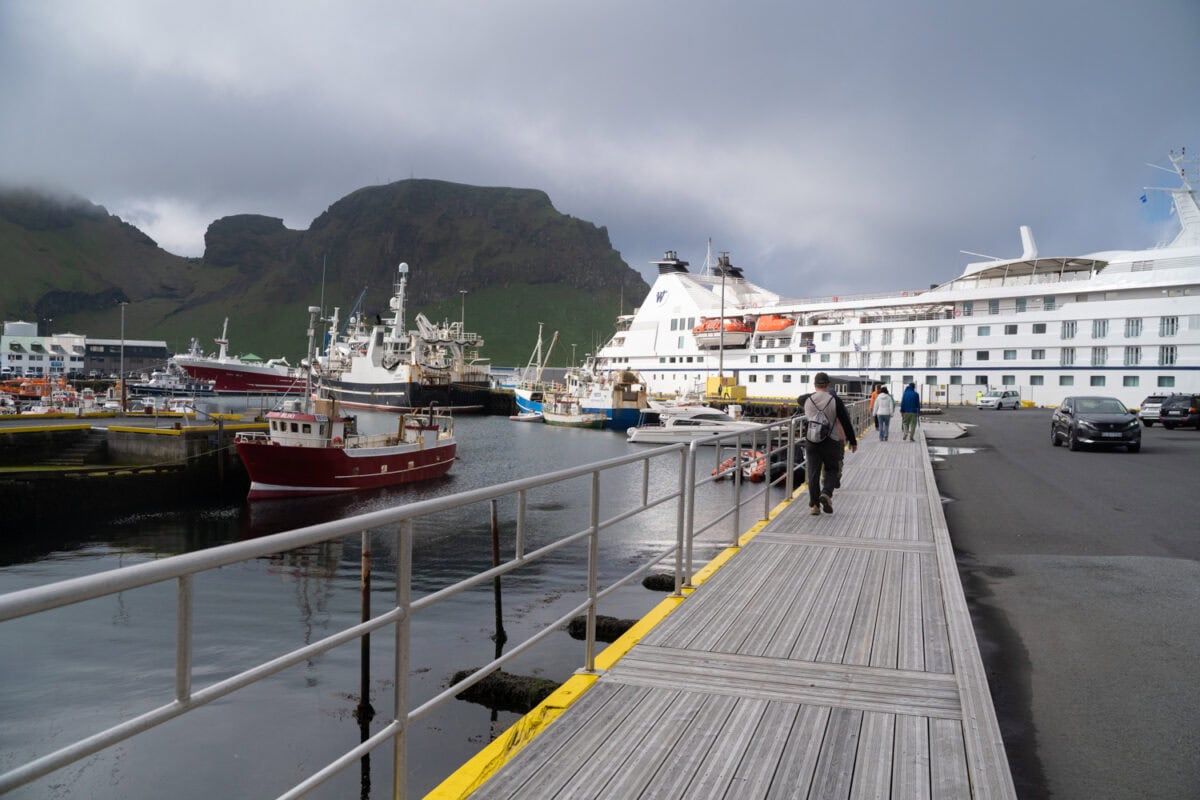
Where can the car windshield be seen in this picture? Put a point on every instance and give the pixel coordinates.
(994, 394)
(1182, 400)
(1100, 405)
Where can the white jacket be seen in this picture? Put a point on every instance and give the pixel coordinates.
(885, 405)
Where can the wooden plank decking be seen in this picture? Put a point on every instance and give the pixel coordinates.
(832, 657)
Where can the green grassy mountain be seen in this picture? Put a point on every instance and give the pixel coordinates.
(518, 259)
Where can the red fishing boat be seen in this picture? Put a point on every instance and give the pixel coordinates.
(317, 449)
(305, 452)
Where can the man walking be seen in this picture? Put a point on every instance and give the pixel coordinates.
(823, 442)
(910, 411)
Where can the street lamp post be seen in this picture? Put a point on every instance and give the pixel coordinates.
(121, 376)
(462, 320)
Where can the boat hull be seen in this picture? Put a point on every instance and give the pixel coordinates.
(231, 379)
(281, 471)
(406, 396)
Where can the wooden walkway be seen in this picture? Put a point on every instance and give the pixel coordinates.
(832, 657)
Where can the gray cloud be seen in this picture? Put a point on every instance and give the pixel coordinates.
(829, 147)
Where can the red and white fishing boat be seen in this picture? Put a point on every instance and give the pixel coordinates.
(239, 374)
(318, 450)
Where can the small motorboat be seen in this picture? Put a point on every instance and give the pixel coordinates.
(533, 416)
(685, 423)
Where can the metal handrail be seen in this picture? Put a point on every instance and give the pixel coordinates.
(183, 568)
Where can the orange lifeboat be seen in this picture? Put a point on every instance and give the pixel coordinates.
(774, 323)
(715, 332)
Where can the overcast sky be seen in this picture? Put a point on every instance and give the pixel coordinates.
(828, 146)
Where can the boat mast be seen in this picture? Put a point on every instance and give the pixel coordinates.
(314, 312)
(723, 261)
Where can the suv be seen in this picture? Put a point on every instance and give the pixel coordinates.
(1100, 421)
(999, 398)
(1149, 410)
(1180, 410)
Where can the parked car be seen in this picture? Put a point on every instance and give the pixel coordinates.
(1099, 421)
(999, 399)
(1150, 409)
(1180, 411)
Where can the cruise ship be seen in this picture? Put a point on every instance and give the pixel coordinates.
(1121, 323)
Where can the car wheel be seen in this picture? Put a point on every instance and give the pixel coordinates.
(1169, 426)
(1054, 438)
(1072, 440)
(1134, 448)
(1147, 423)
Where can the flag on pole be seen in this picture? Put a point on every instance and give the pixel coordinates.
(812, 347)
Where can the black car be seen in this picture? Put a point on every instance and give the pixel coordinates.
(1180, 411)
(1100, 421)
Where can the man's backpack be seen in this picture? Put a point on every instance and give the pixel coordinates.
(817, 427)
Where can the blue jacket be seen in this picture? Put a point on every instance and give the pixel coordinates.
(910, 402)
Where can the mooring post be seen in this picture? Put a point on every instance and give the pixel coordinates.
(364, 712)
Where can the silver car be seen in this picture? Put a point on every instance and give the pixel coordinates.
(1149, 412)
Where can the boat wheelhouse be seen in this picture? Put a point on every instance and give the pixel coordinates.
(1121, 323)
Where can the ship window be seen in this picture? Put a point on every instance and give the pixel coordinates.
(1037, 354)
(787, 359)
(825, 358)
(1039, 327)
(1037, 380)
(826, 337)
(321, 429)
(981, 380)
(306, 428)
(956, 333)
(1066, 380)
(674, 324)
(993, 306)
(770, 379)
(295, 428)
(787, 378)
(1099, 328)
(956, 358)
(1010, 330)
(1133, 356)
(932, 336)
(1097, 380)
(1166, 355)
(1166, 381)
(1010, 355)
(753, 379)
(1168, 326)
(1021, 305)
(805, 358)
(1068, 329)
(1048, 302)
(887, 336)
(968, 308)
(1066, 356)
(689, 359)
(679, 344)
(804, 378)
(1099, 356)
(907, 379)
(982, 355)
(931, 380)
(691, 323)
(983, 330)
(662, 359)
(753, 359)
(956, 380)
(885, 378)
(1008, 380)
(771, 359)
(1133, 327)
(1129, 380)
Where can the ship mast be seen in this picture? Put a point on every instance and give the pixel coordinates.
(314, 312)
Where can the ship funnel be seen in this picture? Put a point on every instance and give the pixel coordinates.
(1028, 245)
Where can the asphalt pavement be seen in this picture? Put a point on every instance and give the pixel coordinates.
(1082, 571)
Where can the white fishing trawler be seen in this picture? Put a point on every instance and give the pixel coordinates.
(1119, 323)
(388, 367)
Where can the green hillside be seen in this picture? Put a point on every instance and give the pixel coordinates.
(518, 259)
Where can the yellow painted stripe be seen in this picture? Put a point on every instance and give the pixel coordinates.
(471, 775)
(45, 428)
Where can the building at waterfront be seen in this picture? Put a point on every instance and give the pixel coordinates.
(73, 355)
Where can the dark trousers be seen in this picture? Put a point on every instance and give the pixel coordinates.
(823, 468)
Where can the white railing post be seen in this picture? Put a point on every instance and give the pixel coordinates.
(403, 631)
(737, 489)
(791, 457)
(690, 526)
(520, 546)
(183, 639)
(681, 520)
(593, 557)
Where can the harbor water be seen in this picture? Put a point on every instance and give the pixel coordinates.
(78, 670)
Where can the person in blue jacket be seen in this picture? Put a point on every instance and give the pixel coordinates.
(910, 411)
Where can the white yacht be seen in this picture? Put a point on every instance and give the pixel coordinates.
(1119, 323)
(668, 425)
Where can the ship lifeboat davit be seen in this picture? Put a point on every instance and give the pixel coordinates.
(774, 323)
(728, 332)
